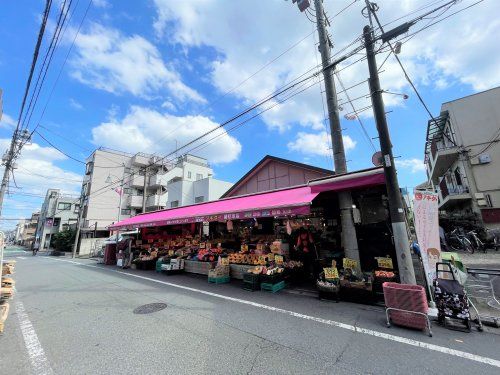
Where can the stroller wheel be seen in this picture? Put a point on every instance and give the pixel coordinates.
(469, 325)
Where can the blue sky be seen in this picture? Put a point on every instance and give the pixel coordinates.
(145, 75)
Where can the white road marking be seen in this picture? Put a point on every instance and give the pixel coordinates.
(369, 332)
(20, 257)
(38, 360)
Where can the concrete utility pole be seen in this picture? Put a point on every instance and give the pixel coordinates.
(78, 225)
(349, 238)
(399, 230)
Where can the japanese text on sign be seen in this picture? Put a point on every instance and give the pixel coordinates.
(384, 262)
(349, 263)
(331, 273)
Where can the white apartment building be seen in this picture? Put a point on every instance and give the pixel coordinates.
(116, 186)
(59, 212)
(462, 157)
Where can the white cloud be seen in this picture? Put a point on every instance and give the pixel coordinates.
(168, 105)
(317, 144)
(7, 122)
(413, 165)
(101, 3)
(75, 104)
(110, 61)
(147, 130)
(246, 37)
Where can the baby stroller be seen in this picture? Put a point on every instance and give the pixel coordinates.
(451, 299)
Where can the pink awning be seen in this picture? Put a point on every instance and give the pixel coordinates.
(295, 201)
(361, 179)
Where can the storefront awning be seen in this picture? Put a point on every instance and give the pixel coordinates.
(365, 178)
(295, 201)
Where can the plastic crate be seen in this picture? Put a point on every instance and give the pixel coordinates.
(251, 286)
(159, 262)
(271, 279)
(251, 278)
(272, 287)
(219, 280)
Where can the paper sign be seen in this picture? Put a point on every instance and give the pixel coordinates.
(224, 261)
(350, 263)
(202, 245)
(244, 248)
(384, 262)
(271, 257)
(331, 273)
(262, 259)
(278, 259)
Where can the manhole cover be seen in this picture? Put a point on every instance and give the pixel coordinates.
(150, 308)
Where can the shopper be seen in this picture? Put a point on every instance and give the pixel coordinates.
(306, 252)
(127, 254)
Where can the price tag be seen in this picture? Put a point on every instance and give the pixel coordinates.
(224, 261)
(262, 259)
(260, 247)
(244, 248)
(350, 263)
(384, 262)
(331, 273)
(202, 245)
(271, 257)
(278, 259)
(170, 252)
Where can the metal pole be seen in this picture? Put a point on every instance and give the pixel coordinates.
(400, 233)
(349, 238)
(78, 224)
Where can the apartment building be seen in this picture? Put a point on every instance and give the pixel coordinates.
(462, 157)
(118, 185)
(59, 212)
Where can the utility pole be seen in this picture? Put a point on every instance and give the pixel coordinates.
(78, 225)
(349, 238)
(144, 196)
(399, 230)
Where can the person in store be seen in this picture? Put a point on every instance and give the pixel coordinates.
(305, 250)
(127, 255)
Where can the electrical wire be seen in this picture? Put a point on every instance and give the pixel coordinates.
(58, 149)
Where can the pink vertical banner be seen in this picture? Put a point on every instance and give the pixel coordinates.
(425, 206)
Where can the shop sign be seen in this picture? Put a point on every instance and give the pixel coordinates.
(331, 273)
(350, 263)
(384, 262)
(427, 229)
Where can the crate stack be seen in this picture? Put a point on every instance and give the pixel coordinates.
(219, 274)
(6, 290)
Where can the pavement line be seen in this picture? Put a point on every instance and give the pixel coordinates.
(38, 360)
(21, 258)
(349, 327)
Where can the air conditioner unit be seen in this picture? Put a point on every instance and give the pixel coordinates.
(482, 203)
(479, 195)
(484, 159)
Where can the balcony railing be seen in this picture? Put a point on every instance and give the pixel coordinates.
(451, 189)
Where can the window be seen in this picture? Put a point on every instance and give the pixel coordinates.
(127, 190)
(62, 206)
(174, 204)
(125, 211)
(189, 174)
(77, 208)
(57, 222)
(199, 176)
(89, 167)
(458, 177)
(199, 199)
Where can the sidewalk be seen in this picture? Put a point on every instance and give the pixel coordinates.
(490, 259)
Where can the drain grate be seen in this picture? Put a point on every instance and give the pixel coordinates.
(150, 308)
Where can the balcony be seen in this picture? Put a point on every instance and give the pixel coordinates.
(157, 200)
(140, 159)
(450, 195)
(441, 157)
(134, 201)
(137, 181)
(163, 179)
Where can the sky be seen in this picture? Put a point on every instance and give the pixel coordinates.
(145, 76)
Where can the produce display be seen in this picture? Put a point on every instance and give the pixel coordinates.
(263, 270)
(385, 274)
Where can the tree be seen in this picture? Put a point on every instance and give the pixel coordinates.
(63, 241)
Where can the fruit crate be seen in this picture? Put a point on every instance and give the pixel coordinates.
(195, 266)
(219, 280)
(272, 287)
(271, 279)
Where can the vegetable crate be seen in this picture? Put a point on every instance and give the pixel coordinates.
(271, 279)
(272, 287)
(251, 281)
(219, 279)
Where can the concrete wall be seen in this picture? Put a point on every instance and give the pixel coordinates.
(89, 244)
(475, 122)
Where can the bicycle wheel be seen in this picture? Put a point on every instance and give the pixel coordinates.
(468, 246)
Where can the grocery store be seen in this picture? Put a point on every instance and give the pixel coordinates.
(286, 237)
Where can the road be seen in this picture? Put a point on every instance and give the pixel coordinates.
(77, 317)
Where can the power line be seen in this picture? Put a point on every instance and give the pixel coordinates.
(58, 149)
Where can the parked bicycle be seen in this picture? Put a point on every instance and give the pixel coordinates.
(456, 240)
(475, 241)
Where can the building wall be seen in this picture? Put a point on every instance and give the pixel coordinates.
(476, 124)
(275, 175)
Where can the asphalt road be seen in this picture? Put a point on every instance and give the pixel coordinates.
(78, 318)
